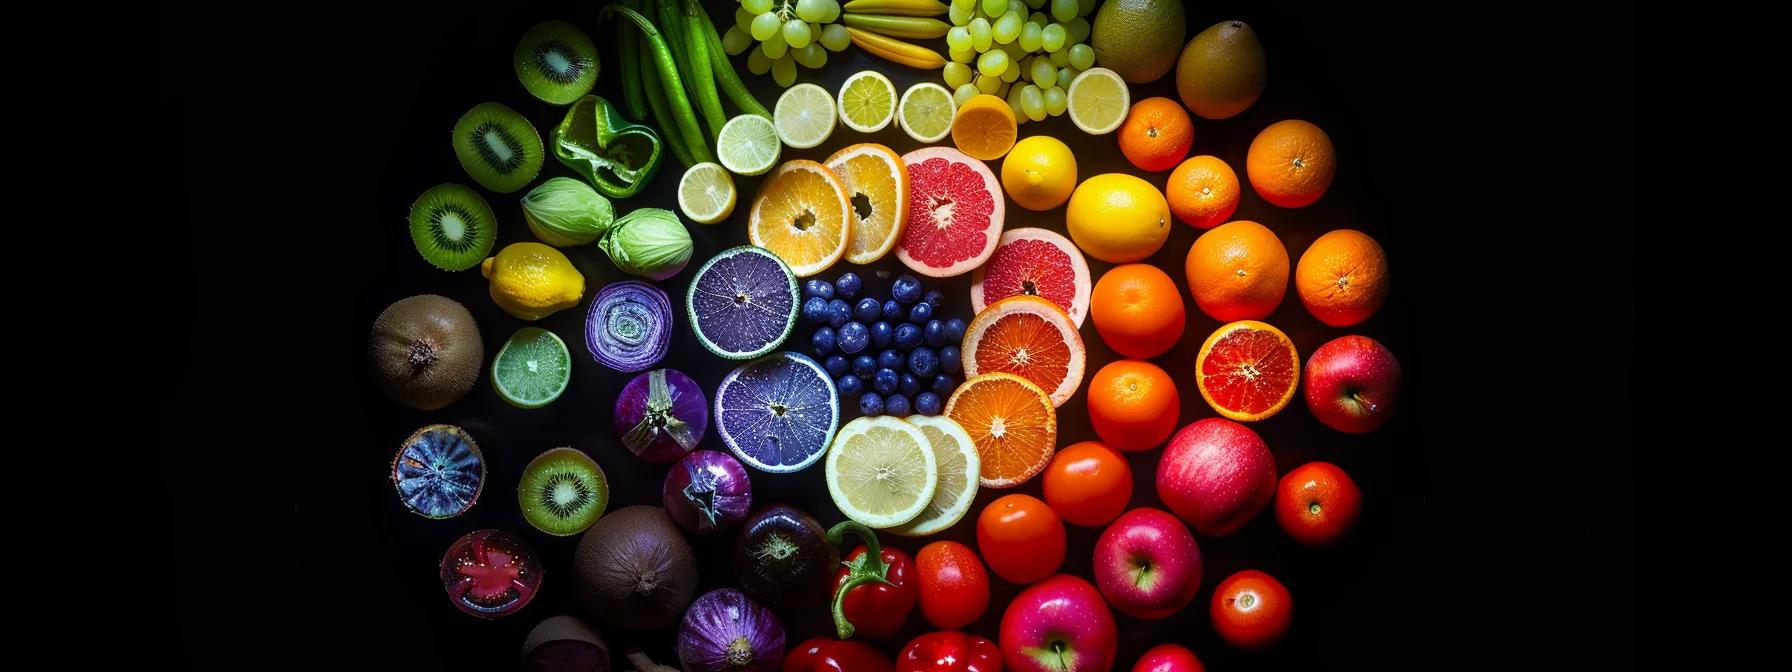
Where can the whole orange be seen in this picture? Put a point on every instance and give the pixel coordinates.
(1157, 134)
(1137, 310)
(1238, 271)
(1203, 192)
(1342, 278)
(1133, 405)
(1291, 163)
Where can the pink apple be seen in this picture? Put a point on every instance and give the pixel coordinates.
(1352, 384)
(1058, 625)
(1168, 658)
(1217, 475)
(1147, 564)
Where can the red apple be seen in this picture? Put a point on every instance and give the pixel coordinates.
(1147, 564)
(1058, 625)
(1352, 384)
(1168, 658)
(1217, 475)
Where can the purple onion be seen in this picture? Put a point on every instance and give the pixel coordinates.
(629, 326)
(661, 415)
(707, 491)
(723, 631)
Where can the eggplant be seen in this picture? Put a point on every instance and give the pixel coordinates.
(782, 557)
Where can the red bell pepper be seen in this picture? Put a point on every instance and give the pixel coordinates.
(875, 591)
(949, 651)
(825, 654)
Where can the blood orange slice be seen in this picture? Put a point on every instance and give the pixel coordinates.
(801, 214)
(1030, 337)
(955, 212)
(1012, 422)
(877, 186)
(1036, 262)
(1247, 370)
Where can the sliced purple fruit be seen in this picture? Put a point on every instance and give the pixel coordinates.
(743, 303)
(629, 325)
(439, 472)
(778, 413)
(490, 573)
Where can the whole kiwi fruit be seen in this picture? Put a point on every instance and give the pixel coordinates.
(635, 570)
(425, 351)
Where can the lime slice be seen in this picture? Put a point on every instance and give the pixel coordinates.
(748, 145)
(959, 469)
(706, 193)
(926, 112)
(805, 116)
(1098, 101)
(867, 102)
(532, 369)
(881, 471)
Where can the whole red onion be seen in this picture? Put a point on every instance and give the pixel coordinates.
(724, 631)
(661, 415)
(707, 491)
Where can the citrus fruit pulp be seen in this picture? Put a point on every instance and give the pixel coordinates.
(1013, 423)
(867, 101)
(804, 116)
(742, 303)
(1098, 101)
(1035, 262)
(706, 193)
(881, 471)
(984, 127)
(1030, 337)
(955, 213)
(925, 112)
(748, 145)
(778, 413)
(959, 468)
(801, 214)
(876, 184)
(532, 369)
(1247, 370)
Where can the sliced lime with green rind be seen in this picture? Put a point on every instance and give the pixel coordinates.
(532, 369)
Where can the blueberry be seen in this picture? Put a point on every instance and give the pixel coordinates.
(923, 362)
(867, 310)
(943, 385)
(928, 403)
(850, 386)
(934, 298)
(934, 334)
(824, 341)
(815, 310)
(896, 404)
(890, 359)
(920, 313)
(848, 285)
(839, 312)
(864, 365)
(837, 365)
(892, 311)
(949, 359)
(853, 337)
(909, 384)
(881, 334)
(819, 288)
(906, 289)
(955, 330)
(871, 404)
(907, 336)
(884, 382)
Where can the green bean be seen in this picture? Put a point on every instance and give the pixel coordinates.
(703, 81)
(726, 78)
(679, 104)
(656, 102)
(629, 52)
(670, 20)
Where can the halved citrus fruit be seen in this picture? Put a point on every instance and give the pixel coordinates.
(801, 215)
(1012, 422)
(955, 213)
(984, 127)
(1030, 337)
(877, 188)
(881, 471)
(1034, 262)
(959, 467)
(1247, 370)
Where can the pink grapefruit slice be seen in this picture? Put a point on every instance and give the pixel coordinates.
(955, 212)
(1034, 262)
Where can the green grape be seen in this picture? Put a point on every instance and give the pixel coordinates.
(1082, 57)
(765, 26)
(811, 57)
(1012, 73)
(960, 17)
(784, 71)
(744, 18)
(1043, 72)
(1013, 97)
(964, 4)
(796, 34)
(1067, 75)
(776, 47)
(981, 34)
(1052, 37)
(736, 40)
(957, 75)
(1064, 10)
(833, 11)
(959, 37)
(1079, 30)
(1060, 58)
(1083, 7)
(988, 84)
(992, 63)
(811, 10)
(1032, 102)
(994, 7)
(1035, 4)
(757, 62)
(1030, 37)
(756, 6)
(1014, 51)
(962, 55)
(835, 38)
(1055, 101)
(963, 94)
(1008, 27)
(1039, 19)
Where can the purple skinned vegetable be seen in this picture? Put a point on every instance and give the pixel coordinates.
(661, 415)
(629, 326)
(724, 631)
(707, 491)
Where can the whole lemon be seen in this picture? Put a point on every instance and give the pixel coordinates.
(1118, 218)
(533, 281)
(1039, 173)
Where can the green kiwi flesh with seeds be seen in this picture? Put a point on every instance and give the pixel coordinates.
(499, 148)
(563, 492)
(556, 62)
(453, 227)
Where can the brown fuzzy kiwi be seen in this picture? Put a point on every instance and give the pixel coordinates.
(635, 570)
(425, 351)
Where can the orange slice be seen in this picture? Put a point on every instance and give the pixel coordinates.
(1012, 422)
(1031, 337)
(877, 185)
(984, 127)
(1247, 370)
(801, 215)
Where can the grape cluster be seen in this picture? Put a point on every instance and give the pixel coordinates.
(995, 44)
(789, 33)
(894, 356)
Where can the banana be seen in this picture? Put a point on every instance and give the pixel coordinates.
(896, 7)
(911, 27)
(894, 50)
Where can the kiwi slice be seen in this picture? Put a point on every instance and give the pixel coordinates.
(556, 62)
(563, 492)
(499, 148)
(453, 227)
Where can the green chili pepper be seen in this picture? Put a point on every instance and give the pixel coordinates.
(629, 50)
(618, 157)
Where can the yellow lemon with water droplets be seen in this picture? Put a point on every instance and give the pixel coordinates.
(1039, 173)
(533, 281)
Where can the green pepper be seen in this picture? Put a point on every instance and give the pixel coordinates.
(617, 156)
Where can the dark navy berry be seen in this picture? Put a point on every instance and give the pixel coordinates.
(943, 385)
(871, 404)
(890, 359)
(896, 404)
(933, 297)
(839, 312)
(909, 384)
(955, 330)
(949, 359)
(850, 386)
(848, 285)
(928, 403)
(885, 381)
(837, 365)
(892, 311)
(923, 362)
(819, 288)
(824, 341)
(920, 313)
(882, 334)
(907, 336)
(815, 310)
(934, 334)
(853, 338)
(906, 289)
(867, 310)
(864, 365)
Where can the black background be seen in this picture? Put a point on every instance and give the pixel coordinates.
(1499, 513)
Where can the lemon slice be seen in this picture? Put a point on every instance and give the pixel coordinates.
(706, 193)
(959, 470)
(748, 145)
(867, 102)
(1098, 101)
(881, 471)
(804, 116)
(925, 112)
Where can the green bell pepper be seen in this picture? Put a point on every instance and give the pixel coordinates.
(618, 157)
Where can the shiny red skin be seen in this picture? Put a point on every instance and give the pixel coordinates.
(877, 610)
(1322, 486)
(1352, 384)
(1168, 658)
(1158, 543)
(954, 588)
(1060, 624)
(1255, 623)
(1216, 475)
(949, 651)
(1088, 484)
(826, 654)
(1021, 538)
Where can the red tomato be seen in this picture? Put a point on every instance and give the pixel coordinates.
(1252, 610)
(1088, 484)
(1317, 504)
(1168, 658)
(954, 587)
(1021, 538)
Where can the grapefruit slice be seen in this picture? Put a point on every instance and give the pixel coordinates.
(801, 214)
(1247, 370)
(1030, 337)
(955, 212)
(877, 187)
(1036, 262)
(1013, 424)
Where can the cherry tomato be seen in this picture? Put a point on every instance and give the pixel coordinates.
(1317, 504)
(1021, 538)
(1252, 610)
(954, 587)
(1168, 658)
(1088, 484)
